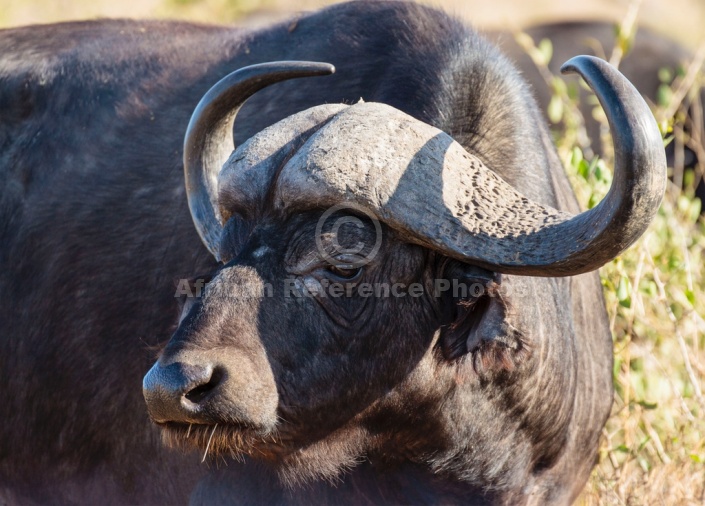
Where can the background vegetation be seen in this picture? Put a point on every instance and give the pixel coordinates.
(653, 449)
(681, 19)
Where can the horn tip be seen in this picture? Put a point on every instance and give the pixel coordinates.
(309, 68)
(327, 68)
(576, 63)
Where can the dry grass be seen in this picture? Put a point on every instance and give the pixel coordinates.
(653, 450)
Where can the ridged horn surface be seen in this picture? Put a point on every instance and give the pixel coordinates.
(422, 183)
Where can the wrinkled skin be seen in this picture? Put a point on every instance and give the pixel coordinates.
(318, 343)
(95, 231)
(351, 379)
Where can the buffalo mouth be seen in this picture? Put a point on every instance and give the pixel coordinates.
(232, 439)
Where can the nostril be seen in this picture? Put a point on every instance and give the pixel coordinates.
(178, 391)
(200, 391)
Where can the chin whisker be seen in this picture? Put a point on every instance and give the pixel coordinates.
(205, 454)
(211, 440)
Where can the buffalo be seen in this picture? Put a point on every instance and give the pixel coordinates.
(442, 176)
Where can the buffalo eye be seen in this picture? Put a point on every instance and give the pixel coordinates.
(345, 272)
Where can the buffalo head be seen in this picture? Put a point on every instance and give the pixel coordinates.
(283, 352)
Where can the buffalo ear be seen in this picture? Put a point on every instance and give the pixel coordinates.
(480, 322)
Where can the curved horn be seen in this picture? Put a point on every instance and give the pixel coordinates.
(427, 187)
(209, 140)
(639, 181)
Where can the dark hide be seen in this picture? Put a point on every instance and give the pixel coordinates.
(95, 231)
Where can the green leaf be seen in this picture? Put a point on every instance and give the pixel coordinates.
(694, 211)
(683, 203)
(616, 368)
(650, 289)
(593, 164)
(602, 174)
(690, 296)
(664, 95)
(648, 405)
(665, 75)
(593, 200)
(598, 171)
(688, 178)
(576, 156)
(559, 86)
(674, 264)
(545, 47)
(624, 291)
(624, 40)
(643, 443)
(555, 109)
(584, 169)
